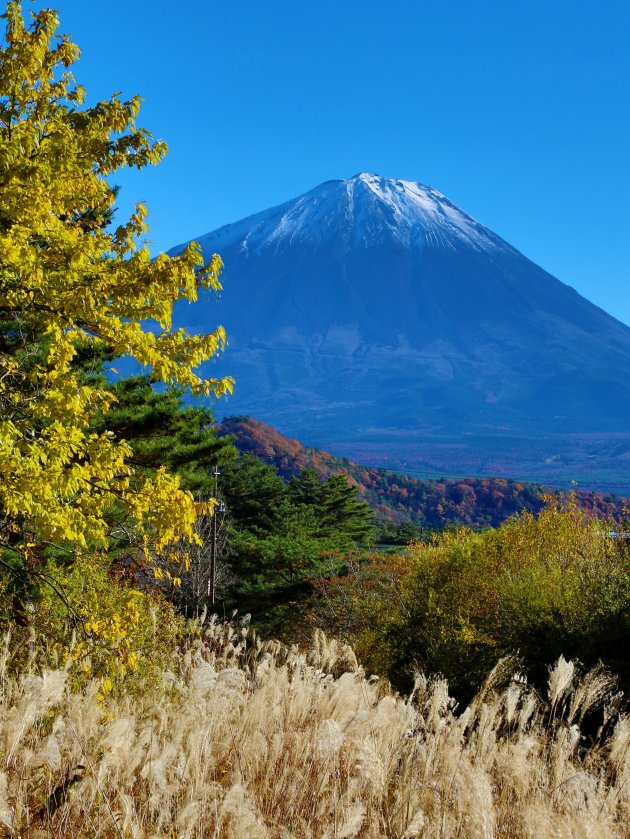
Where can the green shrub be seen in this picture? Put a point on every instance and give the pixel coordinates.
(95, 625)
(538, 586)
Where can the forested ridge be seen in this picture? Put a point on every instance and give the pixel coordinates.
(399, 498)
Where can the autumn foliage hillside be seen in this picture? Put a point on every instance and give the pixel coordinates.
(474, 502)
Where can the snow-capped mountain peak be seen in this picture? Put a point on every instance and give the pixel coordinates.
(364, 211)
(375, 309)
(419, 209)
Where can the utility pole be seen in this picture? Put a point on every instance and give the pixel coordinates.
(213, 542)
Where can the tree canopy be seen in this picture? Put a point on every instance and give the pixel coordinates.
(70, 283)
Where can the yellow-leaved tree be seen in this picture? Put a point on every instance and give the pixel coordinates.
(69, 282)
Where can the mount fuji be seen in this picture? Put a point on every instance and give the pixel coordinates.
(375, 318)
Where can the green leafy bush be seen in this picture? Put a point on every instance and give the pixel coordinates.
(538, 586)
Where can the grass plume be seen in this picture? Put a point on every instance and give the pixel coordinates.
(253, 739)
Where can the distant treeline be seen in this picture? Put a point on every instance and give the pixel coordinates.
(472, 502)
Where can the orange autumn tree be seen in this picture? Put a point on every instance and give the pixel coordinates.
(69, 283)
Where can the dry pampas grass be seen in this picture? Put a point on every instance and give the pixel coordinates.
(252, 739)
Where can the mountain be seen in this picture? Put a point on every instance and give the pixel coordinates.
(474, 502)
(376, 318)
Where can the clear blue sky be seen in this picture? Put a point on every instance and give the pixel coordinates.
(517, 111)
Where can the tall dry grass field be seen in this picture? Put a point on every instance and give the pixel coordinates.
(251, 739)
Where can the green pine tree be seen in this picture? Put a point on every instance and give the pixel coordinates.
(162, 431)
(344, 516)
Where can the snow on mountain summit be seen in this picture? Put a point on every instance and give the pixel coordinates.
(363, 211)
(418, 208)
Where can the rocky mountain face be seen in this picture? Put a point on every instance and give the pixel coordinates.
(377, 319)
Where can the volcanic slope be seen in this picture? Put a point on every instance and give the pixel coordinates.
(376, 318)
